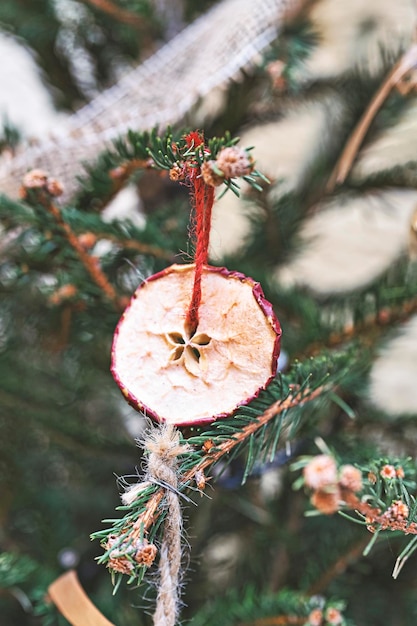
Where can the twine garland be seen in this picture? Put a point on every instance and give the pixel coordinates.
(163, 444)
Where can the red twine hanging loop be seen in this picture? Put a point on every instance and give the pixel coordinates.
(203, 198)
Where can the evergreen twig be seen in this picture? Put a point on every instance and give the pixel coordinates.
(338, 567)
(132, 528)
(369, 329)
(159, 151)
(86, 259)
(90, 263)
(375, 520)
(277, 408)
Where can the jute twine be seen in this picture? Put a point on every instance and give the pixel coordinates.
(163, 445)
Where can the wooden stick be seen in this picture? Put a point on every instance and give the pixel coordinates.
(73, 603)
(343, 166)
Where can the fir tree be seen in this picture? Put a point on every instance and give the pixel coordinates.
(299, 503)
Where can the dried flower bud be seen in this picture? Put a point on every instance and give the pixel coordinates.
(315, 618)
(207, 446)
(327, 502)
(275, 70)
(388, 472)
(176, 172)
(121, 564)
(35, 179)
(372, 478)
(320, 472)
(87, 240)
(333, 616)
(398, 511)
(120, 548)
(400, 472)
(210, 177)
(146, 554)
(63, 293)
(350, 478)
(200, 480)
(384, 316)
(54, 187)
(114, 542)
(234, 161)
(121, 553)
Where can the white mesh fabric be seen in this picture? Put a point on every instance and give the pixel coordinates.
(207, 54)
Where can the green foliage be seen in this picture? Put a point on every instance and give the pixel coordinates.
(260, 447)
(153, 150)
(249, 606)
(14, 569)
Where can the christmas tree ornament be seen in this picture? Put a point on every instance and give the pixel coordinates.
(183, 376)
(197, 341)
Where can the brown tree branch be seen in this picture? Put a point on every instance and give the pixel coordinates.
(338, 567)
(343, 166)
(148, 517)
(374, 517)
(90, 263)
(368, 330)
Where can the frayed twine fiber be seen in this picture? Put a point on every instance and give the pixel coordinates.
(163, 445)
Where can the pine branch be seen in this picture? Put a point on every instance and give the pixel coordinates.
(161, 151)
(41, 189)
(379, 495)
(369, 330)
(15, 569)
(338, 567)
(257, 608)
(139, 246)
(86, 259)
(254, 607)
(363, 316)
(213, 453)
(245, 431)
(148, 240)
(376, 520)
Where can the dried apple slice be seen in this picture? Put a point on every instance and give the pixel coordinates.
(188, 379)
